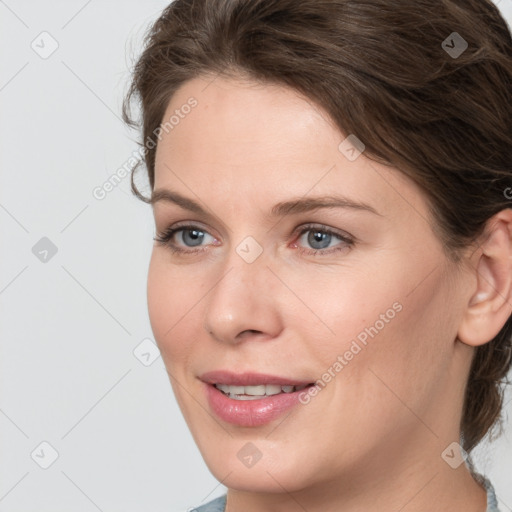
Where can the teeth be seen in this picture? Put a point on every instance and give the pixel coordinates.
(270, 389)
(252, 390)
(223, 387)
(255, 392)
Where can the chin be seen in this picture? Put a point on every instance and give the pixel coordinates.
(268, 474)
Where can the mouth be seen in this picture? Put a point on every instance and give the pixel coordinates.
(251, 399)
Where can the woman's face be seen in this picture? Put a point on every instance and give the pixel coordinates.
(357, 296)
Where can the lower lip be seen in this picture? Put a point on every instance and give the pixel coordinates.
(250, 413)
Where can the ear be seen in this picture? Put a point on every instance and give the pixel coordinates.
(490, 303)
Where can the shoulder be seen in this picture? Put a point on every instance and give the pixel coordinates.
(492, 501)
(216, 505)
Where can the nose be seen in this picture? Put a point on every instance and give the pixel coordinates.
(244, 301)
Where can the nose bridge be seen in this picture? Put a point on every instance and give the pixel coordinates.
(239, 300)
(245, 264)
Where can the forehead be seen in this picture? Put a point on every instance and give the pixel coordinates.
(244, 119)
(267, 142)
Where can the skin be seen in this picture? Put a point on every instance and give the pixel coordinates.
(376, 432)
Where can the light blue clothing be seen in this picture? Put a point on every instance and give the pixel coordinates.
(492, 502)
(219, 504)
(216, 505)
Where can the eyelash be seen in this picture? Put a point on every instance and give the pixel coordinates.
(165, 237)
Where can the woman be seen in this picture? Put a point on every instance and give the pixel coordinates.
(331, 283)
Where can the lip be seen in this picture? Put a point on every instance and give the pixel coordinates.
(249, 379)
(249, 413)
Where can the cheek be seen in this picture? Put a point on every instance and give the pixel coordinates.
(170, 297)
(343, 305)
(395, 349)
(380, 318)
(409, 337)
(158, 298)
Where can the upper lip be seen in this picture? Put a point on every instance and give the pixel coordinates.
(248, 379)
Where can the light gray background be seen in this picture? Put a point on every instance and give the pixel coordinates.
(70, 325)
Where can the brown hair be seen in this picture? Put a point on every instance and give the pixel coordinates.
(387, 71)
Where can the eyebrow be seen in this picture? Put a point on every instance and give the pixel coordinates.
(291, 207)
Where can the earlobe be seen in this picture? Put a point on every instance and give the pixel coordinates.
(490, 303)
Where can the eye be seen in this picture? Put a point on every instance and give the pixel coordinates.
(320, 238)
(190, 235)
